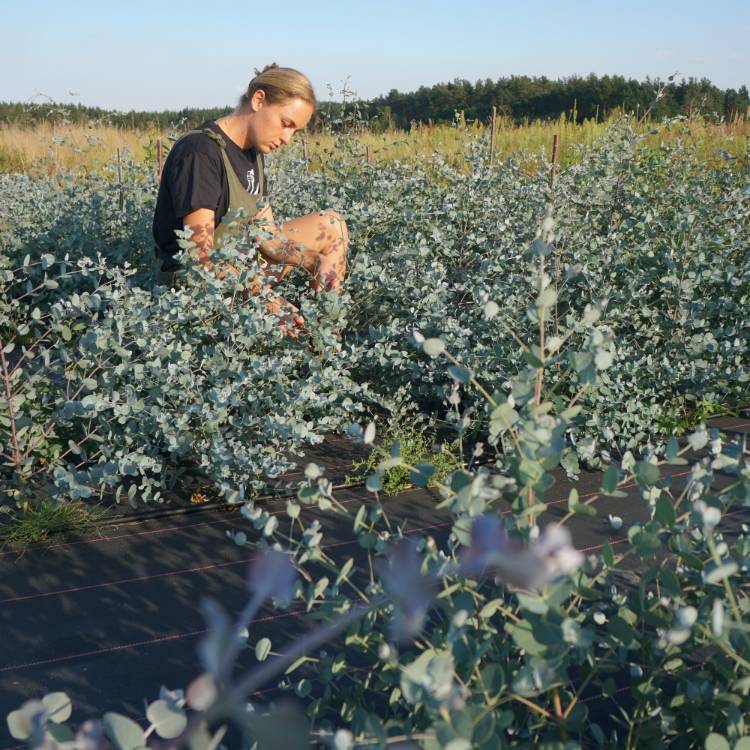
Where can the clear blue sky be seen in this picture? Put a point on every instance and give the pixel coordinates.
(167, 55)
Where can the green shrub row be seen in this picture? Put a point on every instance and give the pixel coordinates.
(110, 384)
(506, 635)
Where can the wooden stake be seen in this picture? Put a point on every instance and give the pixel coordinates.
(304, 151)
(159, 157)
(555, 154)
(119, 179)
(492, 134)
(367, 151)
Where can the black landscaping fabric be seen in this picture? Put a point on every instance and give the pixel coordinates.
(110, 619)
(335, 454)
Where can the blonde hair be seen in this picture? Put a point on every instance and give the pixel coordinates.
(280, 85)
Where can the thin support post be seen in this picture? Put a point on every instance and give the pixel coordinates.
(159, 157)
(367, 151)
(492, 134)
(119, 180)
(555, 156)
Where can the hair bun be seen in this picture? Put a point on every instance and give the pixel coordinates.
(279, 85)
(268, 67)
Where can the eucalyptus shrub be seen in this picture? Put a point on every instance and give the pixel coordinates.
(501, 636)
(653, 235)
(650, 240)
(119, 383)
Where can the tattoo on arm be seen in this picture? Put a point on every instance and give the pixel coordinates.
(203, 237)
(286, 252)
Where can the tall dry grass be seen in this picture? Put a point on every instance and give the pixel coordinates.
(49, 149)
(531, 141)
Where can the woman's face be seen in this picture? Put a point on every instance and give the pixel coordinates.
(273, 125)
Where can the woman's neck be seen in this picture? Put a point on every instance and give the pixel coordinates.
(235, 126)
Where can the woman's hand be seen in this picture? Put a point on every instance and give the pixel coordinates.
(325, 276)
(290, 319)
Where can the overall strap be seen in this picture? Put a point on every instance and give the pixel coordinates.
(239, 198)
(205, 131)
(216, 138)
(236, 188)
(261, 172)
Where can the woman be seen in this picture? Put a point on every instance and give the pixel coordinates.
(220, 168)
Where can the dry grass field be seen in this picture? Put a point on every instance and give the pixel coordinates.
(49, 149)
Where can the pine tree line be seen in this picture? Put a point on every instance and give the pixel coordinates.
(517, 97)
(527, 98)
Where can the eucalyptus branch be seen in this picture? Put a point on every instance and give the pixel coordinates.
(726, 648)
(541, 311)
(17, 457)
(53, 423)
(601, 660)
(33, 291)
(235, 644)
(256, 678)
(725, 580)
(473, 380)
(28, 351)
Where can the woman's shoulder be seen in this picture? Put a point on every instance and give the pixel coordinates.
(197, 141)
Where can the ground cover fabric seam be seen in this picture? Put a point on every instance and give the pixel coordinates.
(135, 579)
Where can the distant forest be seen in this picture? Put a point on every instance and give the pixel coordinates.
(517, 97)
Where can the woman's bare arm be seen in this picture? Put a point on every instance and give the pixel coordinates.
(281, 250)
(201, 223)
(275, 250)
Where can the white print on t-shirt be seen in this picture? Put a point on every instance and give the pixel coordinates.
(251, 181)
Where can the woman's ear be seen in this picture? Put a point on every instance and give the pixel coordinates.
(258, 100)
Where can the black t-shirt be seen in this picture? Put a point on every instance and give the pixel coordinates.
(194, 177)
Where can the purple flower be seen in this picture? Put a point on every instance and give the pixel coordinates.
(489, 541)
(411, 592)
(272, 574)
(492, 550)
(553, 555)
